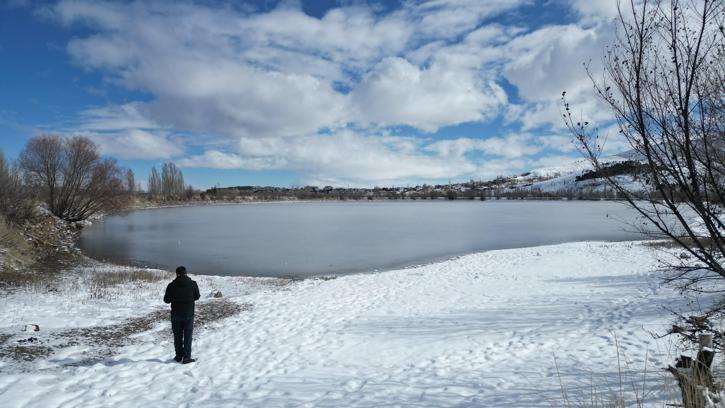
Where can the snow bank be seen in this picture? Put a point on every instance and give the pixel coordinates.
(479, 330)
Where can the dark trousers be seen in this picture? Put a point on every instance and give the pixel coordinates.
(182, 328)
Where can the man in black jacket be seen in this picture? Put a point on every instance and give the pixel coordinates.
(182, 292)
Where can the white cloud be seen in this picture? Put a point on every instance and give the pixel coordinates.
(350, 158)
(595, 9)
(561, 143)
(341, 158)
(397, 92)
(220, 160)
(276, 73)
(124, 131)
(450, 18)
(281, 89)
(116, 117)
(512, 146)
(136, 144)
(551, 60)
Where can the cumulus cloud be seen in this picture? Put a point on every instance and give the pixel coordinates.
(342, 158)
(397, 92)
(284, 73)
(549, 61)
(284, 90)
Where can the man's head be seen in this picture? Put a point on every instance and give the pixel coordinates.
(181, 270)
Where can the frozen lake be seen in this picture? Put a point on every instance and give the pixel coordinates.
(325, 238)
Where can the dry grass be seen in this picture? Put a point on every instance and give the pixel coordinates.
(101, 284)
(631, 387)
(110, 279)
(11, 278)
(671, 244)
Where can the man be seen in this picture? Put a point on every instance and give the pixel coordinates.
(182, 292)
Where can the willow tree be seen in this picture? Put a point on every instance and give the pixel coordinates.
(72, 177)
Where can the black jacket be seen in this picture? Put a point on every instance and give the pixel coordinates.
(181, 293)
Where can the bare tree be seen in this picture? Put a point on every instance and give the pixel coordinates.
(130, 181)
(663, 81)
(172, 181)
(74, 180)
(154, 186)
(15, 199)
(189, 192)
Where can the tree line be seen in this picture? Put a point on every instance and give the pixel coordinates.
(169, 185)
(74, 181)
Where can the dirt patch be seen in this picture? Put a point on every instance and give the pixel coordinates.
(111, 336)
(215, 310)
(103, 341)
(25, 353)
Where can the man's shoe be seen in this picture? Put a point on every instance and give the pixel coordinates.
(178, 359)
(187, 360)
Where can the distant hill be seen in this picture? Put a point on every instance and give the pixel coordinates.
(579, 176)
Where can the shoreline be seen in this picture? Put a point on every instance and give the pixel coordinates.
(377, 200)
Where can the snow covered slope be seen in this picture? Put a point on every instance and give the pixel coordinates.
(479, 330)
(562, 178)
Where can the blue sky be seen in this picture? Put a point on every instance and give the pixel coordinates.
(350, 93)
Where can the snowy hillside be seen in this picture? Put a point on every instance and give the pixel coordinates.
(563, 178)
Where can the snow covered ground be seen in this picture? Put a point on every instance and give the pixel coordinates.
(487, 329)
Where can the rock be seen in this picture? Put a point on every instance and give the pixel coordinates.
(216, 293)
(32, 328)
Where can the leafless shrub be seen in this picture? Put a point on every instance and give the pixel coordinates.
(664, 85)
(664, 82)
(74, 180)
